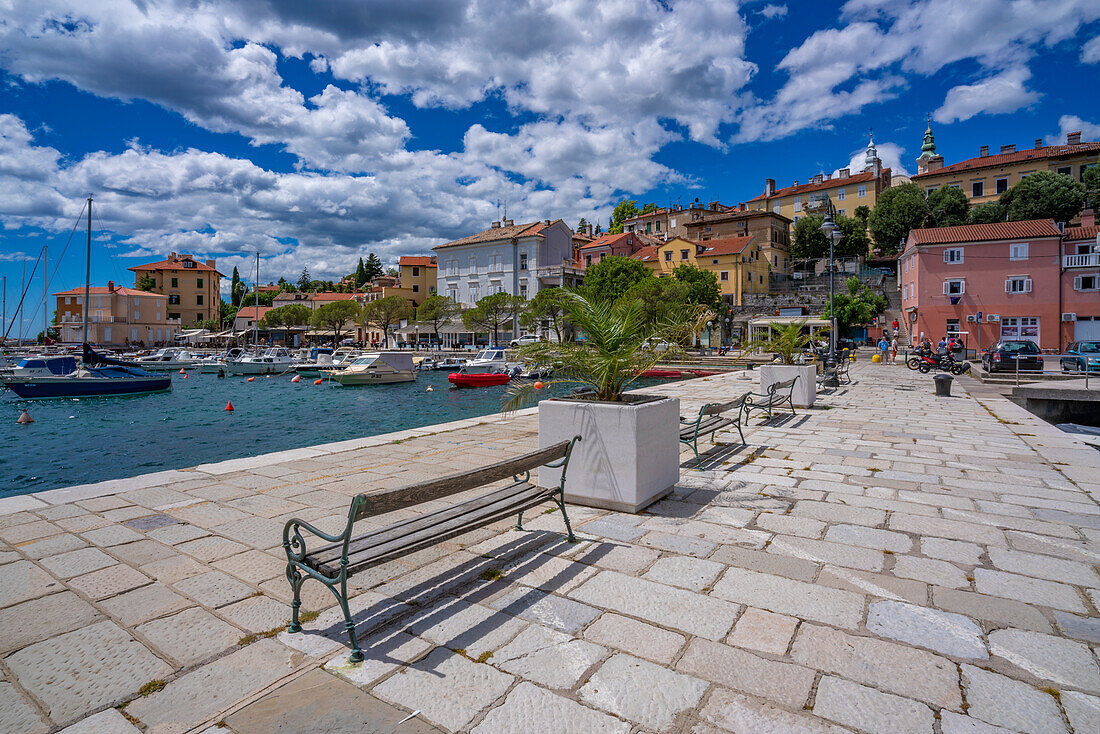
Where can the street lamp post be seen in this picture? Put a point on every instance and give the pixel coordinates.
(834, 234)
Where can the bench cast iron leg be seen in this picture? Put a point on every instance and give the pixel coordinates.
(295, 577)
(519, 522)
(561, 506)
(342, 596)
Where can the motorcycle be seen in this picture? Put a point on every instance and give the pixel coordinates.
(945, 362)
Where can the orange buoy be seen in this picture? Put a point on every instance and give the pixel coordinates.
(185, 375)
(296, 378)
(183, 371)
(318, 381)
(24, 417)
(229, 405)
(539, 386)
(251, 379)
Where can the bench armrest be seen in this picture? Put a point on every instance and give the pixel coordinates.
(295, 544)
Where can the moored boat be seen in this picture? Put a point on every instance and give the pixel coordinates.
(379, 368)
(168, 359)
(273, 361)
(478, 379)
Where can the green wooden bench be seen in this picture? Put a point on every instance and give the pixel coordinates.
(712, 418)
(777, 394)
(344, 554)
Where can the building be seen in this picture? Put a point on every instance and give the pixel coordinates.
(118, 316)
(520, 259)
(1006, 280)
(418, 275)
(314, 301)
(985, 177)
(665, 223)
(771, 231)
(621, 245)
(737, 262)
(250, 316)
(193, 287)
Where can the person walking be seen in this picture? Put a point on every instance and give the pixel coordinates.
(896, 326)
(883, 349)
(894, 349)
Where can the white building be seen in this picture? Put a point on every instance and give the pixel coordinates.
(520, 259)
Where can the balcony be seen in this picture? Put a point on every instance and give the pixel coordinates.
(1090, 260)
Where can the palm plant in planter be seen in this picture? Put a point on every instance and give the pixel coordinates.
(787, 341)
(628, 456)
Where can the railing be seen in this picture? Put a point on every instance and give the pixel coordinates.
(1088, 260)
(1090, 363)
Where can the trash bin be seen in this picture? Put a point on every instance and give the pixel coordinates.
(943, 385)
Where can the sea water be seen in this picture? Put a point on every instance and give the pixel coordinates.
(84, 440)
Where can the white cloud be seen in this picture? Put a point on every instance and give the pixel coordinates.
(1005, 92)
(773, 11)
(889, 153)
(1072, 123)
(1090, 52)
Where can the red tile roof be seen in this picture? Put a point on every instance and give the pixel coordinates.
(427, 261)
(497, 233)
(249, 312)
(725, 245)
(330, 296)
(175, 263)
(1019, 156)
(646, 254)
(607, 240)
(103, 290)
(1030, 229)
(826, 184)
(1082, 233)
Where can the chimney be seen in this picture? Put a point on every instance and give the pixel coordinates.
(1038, 143)
(546, 222)
(769, 187)
(110, 285)
(509, 222)
(795, 183)
(1010, 148)
(171, 256)
(1073, 138)
(985, 151)
(741, 206)
(1088, 218)
(713, 206)
(844, 173)
(211, 262)
(496, 225)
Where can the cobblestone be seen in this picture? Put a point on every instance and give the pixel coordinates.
(190, 637)
(1047, 657)
(637, 638)
(944, 632)
(615, 686)
(43, 618)
(870, 710)
(1002, 701)
(531, 710)
(784, 683)
(777, 594)
(551, 658)
(763, 631)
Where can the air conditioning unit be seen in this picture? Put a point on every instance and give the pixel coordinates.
(971, 318)
(1069, 317)
(993, 317)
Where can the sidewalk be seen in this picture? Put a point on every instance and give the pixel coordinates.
(887, 562)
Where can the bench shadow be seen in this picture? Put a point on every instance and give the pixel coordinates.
(715, 457)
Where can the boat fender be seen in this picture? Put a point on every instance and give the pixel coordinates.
(229, 405)
(183, 371)
(24, 417)
(318, 381)
(539, 386)
(221, 373)
(251, 379)
(430, 388)
(185, 375)
(296, 378)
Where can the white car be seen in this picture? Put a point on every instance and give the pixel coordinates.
(523, 339)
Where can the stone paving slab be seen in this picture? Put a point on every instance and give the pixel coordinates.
(852, 569)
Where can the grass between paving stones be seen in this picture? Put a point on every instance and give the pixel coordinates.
(1054, 692)
(479, 659)
(152, 687)
(249, 639)
(122, 710)
(491, 574)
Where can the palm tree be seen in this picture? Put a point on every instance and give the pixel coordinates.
(785, 340)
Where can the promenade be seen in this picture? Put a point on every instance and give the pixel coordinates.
(886, 562)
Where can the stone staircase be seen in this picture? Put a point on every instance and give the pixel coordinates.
(893, 310)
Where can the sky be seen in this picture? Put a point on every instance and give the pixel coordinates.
(315, 133)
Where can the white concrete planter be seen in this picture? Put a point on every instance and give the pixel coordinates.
(805, 390)
(628, 456)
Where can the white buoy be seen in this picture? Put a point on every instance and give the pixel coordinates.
(430, 388)
(296, 378)
(25, 417)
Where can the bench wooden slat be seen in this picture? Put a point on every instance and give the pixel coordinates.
(402, 497)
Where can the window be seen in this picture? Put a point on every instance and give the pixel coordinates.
(657, 225)
(452, 293)
(473, 266)
(748, 276)
(475, 294)
(1023, 327)
(649, 227)
(416, 288)
(523, 291)
(952, 326)
(977, 188)
(775, 207)
(176, 316)
(714, 261)
(928, 191)
(588, 259)
(724, 275)
(1086, 282)
(452, 267)
(175, 282)
(523, 261)
(683, 254)
(840, 194)
(953, 255)
(198, 282)
(956, 186)
(775, 261)
(672, 224)
(198, 300)
(1066, 170)
(174, 300)
(761, 280)
(1018, 284)
(798, 203)
(1017, 251)
(954, 287)
(1002, 185)
(862, 191)
(496, 264)
(416, 271)
(668, 256)
(706, 229)
(188, 263)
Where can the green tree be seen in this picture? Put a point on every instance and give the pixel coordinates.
(228, 312)
(293, 314)
(236, 288)
(947, 207)
(703, 288)
(862, 213)
(267, 298)
(547, 306)
(650, 207)
(385, 314)
(360, 273)
(858, 306)
(613, 276)
(810, 242)
(1044, 195)
(437, 310)
(987, 213)
(145, 282)
(334, 316)
(304, 281)
(372, 268)
(285, 286)
(625, 209)
(659, 298)
(582, 225)
(1091, 181)
(898, 210)
(493, 312)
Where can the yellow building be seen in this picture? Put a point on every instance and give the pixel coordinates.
(192, 287)
(739, 263)
(986, 177)
(117, 317)
(418, 276)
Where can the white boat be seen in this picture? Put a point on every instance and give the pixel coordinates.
(487, 362)
(344, 356)
(213, 364)
(168, 359)
(376, 369)
(273, 361)
(451, 364)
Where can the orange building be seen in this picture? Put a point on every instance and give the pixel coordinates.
(118, 316)
(192, 287)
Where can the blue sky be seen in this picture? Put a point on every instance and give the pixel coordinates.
(316, 137)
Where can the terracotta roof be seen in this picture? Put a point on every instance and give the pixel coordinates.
(175, 263)
(331, 296)
(735, 215)
(497, 233)
(1019, 156)
(1082, 233)
(607, 240)
(984, 232)
(103, 290)
(427, 261)
(725, 245)
(826, 184)
(646, 254)
(249, 312)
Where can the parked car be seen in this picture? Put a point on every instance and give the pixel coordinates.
(1003, 356)
(1086, 355)
(523, 339)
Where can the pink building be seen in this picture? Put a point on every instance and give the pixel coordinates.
(624, 245)
(1026, 280)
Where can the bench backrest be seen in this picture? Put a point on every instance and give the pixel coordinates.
(718, 408)
(777, 386)
(368, 505)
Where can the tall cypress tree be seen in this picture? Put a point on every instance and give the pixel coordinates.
(235, 288)
(373, 267)
(360, 273)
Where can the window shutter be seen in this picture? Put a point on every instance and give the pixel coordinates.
(945, 287)
(945, 253)
(1027, 285)
(1077, 282)
(1008, 285)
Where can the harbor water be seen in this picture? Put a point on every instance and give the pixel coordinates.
(84, 440)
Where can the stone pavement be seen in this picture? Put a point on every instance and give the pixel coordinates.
(887, 562)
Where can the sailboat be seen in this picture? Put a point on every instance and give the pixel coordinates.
(59, 377)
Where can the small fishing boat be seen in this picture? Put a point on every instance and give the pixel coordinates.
(450, 363)
(661, 373)
(273, 361)
(487, 360)
(216, 363)
(378, 368)
(479, 379)
(168, 359)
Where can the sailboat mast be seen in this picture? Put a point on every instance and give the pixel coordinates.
(22, 292)
(45, 299)
(256, 315)
(88, 274)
